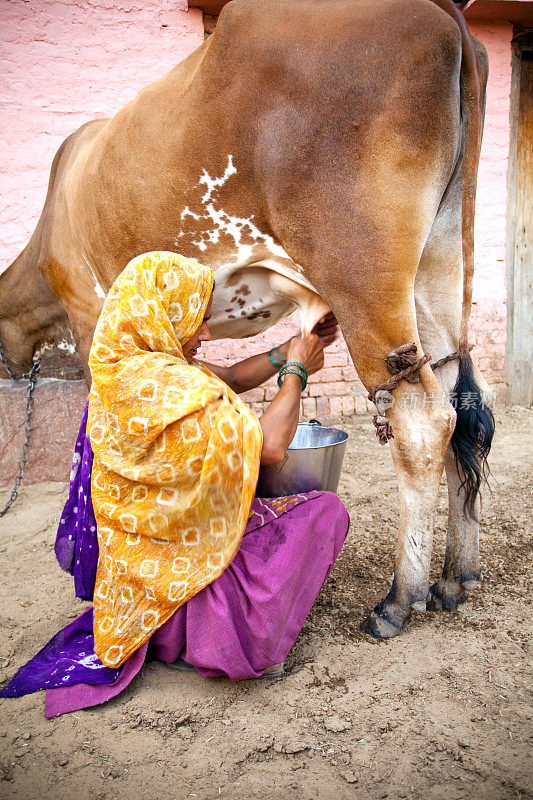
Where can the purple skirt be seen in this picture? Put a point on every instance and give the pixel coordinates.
(242, 623)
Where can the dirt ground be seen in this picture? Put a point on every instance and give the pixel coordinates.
(441, 713)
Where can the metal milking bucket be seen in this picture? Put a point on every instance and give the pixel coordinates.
(313, 461)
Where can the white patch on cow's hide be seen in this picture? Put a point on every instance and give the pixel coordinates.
(274, 283)
(228, 224)
(97, 288)
(214, 183)
(188, 213)
(43, 348)
(47, 345)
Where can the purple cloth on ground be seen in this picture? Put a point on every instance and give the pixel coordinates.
(68, 658)
(237, 626)
(76, 546)
(249, 618)
(245, 621)
(82, 695)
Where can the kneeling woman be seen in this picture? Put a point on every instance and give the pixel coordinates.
(161, 529)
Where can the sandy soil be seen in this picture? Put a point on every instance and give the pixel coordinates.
(441, 713)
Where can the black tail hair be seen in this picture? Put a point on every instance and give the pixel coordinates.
(473, 433)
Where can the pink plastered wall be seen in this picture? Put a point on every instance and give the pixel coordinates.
(488, 319)
(65, 63)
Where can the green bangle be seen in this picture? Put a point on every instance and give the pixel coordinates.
(276, 357)
(295, 365)
(293, 368)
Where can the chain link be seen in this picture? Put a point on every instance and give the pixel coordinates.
(31, 377)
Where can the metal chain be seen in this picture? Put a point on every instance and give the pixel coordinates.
(31, 377)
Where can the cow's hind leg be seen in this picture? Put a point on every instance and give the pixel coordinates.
(461, 570)
(438, 290)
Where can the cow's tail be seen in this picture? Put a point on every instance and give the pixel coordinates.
(474, 429)
(472, 436)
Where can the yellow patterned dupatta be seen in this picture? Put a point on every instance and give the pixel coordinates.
(176, 454)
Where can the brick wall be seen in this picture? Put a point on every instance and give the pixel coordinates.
(66, 63)
(489, 312)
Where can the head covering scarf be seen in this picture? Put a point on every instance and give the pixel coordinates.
(176, 454)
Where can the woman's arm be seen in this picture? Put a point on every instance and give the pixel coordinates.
(280, 420)
(249, 373)
(257, 369)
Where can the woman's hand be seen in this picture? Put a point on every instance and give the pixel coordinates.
(307, 350)
(327, 329)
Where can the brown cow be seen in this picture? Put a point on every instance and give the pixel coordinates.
(315, 155)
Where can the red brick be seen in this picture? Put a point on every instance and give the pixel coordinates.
(348, 406)
(349, 373)
(271, 392)
(55, 421)
(332, 359)
(335, 406)
(324, 375)
(254, 395)
(331, 389)
(360, 404)
(322, 408)
(370, 407)
(309, 407)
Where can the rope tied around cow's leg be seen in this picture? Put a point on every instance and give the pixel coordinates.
(405, 360)
(461, 353)
(383, 400)
(404, 365)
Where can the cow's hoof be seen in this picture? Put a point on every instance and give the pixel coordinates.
(382, 625)
(470, 581)
(438, 601)
(447, 595)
